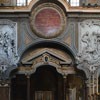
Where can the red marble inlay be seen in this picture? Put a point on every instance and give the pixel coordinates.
(47, 21)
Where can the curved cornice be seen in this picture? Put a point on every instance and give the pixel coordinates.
(64, 3)
(47, 42)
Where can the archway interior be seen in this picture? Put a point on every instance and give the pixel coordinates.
(47, 84)
(50, 45)
(99, 87)
(76, 89)
(19, 87)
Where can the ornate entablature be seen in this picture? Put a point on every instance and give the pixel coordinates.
(46, 56)
(89, 43)
(8, 45)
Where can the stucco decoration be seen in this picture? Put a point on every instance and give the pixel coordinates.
(8, 45)
(89, 43)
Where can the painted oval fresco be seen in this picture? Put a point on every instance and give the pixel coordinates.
(48, 22)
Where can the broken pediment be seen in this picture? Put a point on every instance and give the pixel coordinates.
(47, 55)
(59, 59)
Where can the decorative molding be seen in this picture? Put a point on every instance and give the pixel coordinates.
(61, 61)
(84, 15)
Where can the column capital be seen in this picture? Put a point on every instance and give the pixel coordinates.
(27, 75)
(65, 75)
(4, 83)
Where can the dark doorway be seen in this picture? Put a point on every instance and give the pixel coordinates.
(45, 84)
(76, 88)
(98, 97)
(19, 88)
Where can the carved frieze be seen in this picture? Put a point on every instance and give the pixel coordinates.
(89, 43)
(8, 44)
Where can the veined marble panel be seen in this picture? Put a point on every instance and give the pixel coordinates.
(8, 44)
(89, 41)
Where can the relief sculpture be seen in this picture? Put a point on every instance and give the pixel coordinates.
(89, 42)
(8, 45)
(91, 48)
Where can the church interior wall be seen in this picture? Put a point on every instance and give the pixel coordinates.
(77, 32)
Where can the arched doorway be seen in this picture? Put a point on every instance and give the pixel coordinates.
(19, 87)
(45, 84)
(44, 72)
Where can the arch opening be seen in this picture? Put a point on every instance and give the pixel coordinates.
(47, 84)
(46, 81)
(49, 44)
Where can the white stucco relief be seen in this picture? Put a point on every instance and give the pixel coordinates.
(89, 43)
(8, 45)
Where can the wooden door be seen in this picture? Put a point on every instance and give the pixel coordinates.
(46, 84)
(44, 95)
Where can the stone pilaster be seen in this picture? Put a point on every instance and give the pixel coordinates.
(5, 90)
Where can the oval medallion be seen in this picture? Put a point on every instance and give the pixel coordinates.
(47, 21)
